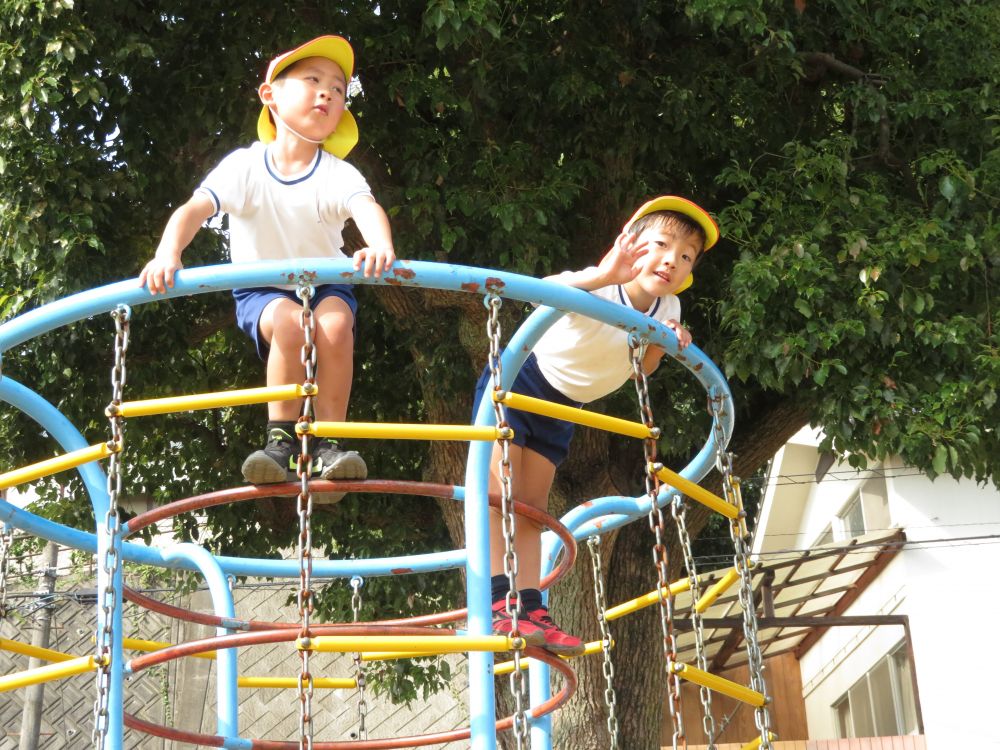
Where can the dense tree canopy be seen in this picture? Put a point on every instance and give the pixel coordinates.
(849, 149)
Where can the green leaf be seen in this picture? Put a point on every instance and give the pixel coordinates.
(947, 187)
(940, 463)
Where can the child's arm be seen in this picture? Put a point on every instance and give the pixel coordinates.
(619, 265)
(373, 224)
(183, 225)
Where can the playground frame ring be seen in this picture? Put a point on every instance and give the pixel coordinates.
(596, 516)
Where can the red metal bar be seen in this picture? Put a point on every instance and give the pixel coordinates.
(238, 494)
(438, 738)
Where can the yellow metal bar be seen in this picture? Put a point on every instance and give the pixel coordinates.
(418, 645)
(718, 684)
(716, 590)
(646, 600)
(506, 667)
(171, 404)
(138, 644)
(577, 416)
(59, 463)
(77, 665)
(461, 432)
(692, 490)
(755, 743)
(46, 654)
(293, 682)
(738, 494)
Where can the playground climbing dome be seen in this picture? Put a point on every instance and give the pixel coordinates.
(667, 493)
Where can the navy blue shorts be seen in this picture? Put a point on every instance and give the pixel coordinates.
(545, 435)
(251, 301)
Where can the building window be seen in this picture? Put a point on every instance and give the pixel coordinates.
(880, 704)
(867, 510)
(852, 518)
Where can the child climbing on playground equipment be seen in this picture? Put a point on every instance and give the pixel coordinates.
(579, 360)
(288, 196)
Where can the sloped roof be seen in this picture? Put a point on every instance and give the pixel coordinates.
(797, 597)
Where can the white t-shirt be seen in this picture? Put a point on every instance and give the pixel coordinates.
(586, 359)
(274, 216)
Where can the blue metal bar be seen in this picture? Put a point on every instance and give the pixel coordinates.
(226, 658)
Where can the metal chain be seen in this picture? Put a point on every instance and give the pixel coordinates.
(6, 544)
(108, 597)
(356, 583)
(741, 560)
(679, 511)
(305, 507)
(512, 602)
(661, 558)
(610, 700)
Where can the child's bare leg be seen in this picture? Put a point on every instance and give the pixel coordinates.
(334, 339)
(532, 476)
(281, 328)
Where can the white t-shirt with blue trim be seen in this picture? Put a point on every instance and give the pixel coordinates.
(586, 359)
(274, 216)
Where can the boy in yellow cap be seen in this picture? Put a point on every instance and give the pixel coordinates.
(288, 196)
(579, 360)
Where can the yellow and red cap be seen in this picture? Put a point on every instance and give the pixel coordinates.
(336, 49)
(682, 206)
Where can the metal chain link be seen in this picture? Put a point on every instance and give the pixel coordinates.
(608, 667)
(512, 602)
(305, 507)
(679, 511)
(109, 597)
(661, 558)
(359, 673)
(741, 560)
(6, 544)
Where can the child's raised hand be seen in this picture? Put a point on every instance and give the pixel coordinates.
(683, 335)
(375, 259)
(623, 261)
(158, 274)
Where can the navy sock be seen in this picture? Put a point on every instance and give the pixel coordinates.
(288, 427)
(499, 587)
(531, 599)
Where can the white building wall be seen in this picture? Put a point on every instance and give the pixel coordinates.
(945, 583)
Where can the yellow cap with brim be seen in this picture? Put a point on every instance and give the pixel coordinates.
(683, 206)
(334, 48)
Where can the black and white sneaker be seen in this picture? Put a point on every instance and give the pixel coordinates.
(332, 462)
(273, 463)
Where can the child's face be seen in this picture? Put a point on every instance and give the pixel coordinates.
(672, 251)
(310, 96)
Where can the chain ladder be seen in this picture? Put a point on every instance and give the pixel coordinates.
(359, 673)
(661, 558)
(608, 668)
(679, 511)
(741, 560)
(6, 545)
(305, 507)
(111, 562)
(512, 601)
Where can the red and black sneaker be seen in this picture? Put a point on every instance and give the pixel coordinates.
(503, 624)
(556, 641)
